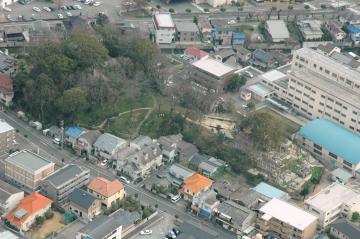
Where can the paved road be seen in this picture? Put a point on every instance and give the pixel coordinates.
(45, 144)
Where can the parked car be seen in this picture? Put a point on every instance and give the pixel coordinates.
(60, 16)
(176, 231)
(36, 9)
(77, 7)
(69, 14)
(7, 9)
(47, 9)
(146, 232)
(104, 162)
(52, 9)
(56, 141)
(249, 74)
(96, 4)
(124, 179)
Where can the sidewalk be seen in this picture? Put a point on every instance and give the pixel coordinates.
(148, 223)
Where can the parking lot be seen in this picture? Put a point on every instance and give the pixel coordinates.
(109, 7)
(159, 229)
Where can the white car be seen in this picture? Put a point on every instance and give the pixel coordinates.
(96, 4)
(124, 179)
(36, 9)
(104, 162)
(68, 14)
(60, 16)
(77, 7)
(7, 9)
(231, 22)
(47, 9)
(146, 232)
(249, 74)
(87, 2)
(56, 141)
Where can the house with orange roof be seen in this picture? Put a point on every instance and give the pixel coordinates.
(194, 185)
(108, 192)
(30, 207)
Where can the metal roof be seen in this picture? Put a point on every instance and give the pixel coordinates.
(334, 138)
(28, 160)
(186, 27)
(342, 175)
(269, 191)
(64, 174)
(350, 230)
(74, 132)
(108, 142)
(82, 198)
(277, 29)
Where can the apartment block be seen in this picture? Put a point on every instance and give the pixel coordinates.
(326, 85)
(165, 29)
(59, 185)
(7, 135)
(286, 220)
(27, 168)
(333, 202)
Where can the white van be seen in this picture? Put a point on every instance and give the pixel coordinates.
(175, 198)
(124, 179)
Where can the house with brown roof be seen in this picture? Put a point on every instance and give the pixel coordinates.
(84, 144)
(194, 185)
(30, 207)
(109, 192)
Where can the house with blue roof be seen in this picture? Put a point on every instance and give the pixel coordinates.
(238, 38)
(354, 32)
(72, 134)
(270, 191)
(330, 141)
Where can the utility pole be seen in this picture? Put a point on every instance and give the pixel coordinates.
(62, 134)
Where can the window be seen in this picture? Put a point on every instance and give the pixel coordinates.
(314, 65)
(317, 146)
(347, 163)
(352, 128)
(298, 91)
(321, 103)
(291, 95)
(320, 111)
(297, 98)
(353, 120)
(333, 155)
(317, 151)
(327, 71)
(345, 108)
(354, 112)
(357, 86)
(337, 111)
(291, 87)
(334, 75)
(342, 122)
(338, 103)
(296, 106)
(329, 107)
(342, 78)
(311, 106)
(323, 96)
(331, 100)
(305, 103)
(327, 114)
(300, 84)
(348, 82)
(307, 87)
(321, 68)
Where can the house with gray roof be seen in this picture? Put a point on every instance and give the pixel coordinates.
(206, 165)
(234, 217)
(204, 203)
(168, 145)
(84, 205)
(113, 226)
(27, 168)
(344, 229)
(141, 141)
(9, 197)
(62, 182)
(107, 145)
(187, 32)
(180, 173)
(84, 144)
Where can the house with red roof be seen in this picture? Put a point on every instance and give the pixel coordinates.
(109, 192)
(195, 53)
(6, 89)
(30, 207)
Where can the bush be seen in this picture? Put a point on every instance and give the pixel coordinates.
(206, 10)
(188, 10)
(61, 210)
(39, 220)
(171, 10)
(49, 214)
(355, 217)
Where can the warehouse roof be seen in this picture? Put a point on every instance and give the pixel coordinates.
(334, 138)
(164, 20)
(213, 67)
(270, 191)
(28, 160)
(277, 29)
(65, 174)
(186, 27)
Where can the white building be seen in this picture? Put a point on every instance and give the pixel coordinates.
(7, 135)
(213, 3)
(165, 29)
(6, 3)
(277, 30)
(333, 202)
(311, 29)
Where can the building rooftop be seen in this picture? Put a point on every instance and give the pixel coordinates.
(333, 137)
(237, 213)
(199, 54)
(91, 136)
(105, 187)
(347, 228)
(64, 174)
(6, 190)
(5, 234)
(27, 206)
(186, 27)
(109, 142)
(82, 198)
(273, 75)
(342, 175)
(196, 182)
(277, 29)
(74, 132)
(28, 160)
(260, 89)
(164, 20)
(142, 141)
(270, 191)
(103, 225)
(333, 196)
(287, 213)
(213, 67)
(352, 28)
(6, 83)
(4, 127)
(178, 169)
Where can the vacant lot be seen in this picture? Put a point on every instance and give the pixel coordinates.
(51, 225)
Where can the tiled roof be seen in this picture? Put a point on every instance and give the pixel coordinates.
(196, 183)
(196, 52)
(82, 198)
(6, 84)
(28, 206)
(105, 187)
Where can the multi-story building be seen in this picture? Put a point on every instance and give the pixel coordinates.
(311, 29)
(62, 182)
(286, 220)
(165, 29)
(194, 185)
(108, 192)
(205, 203)
(343, 229)
(336, 31)
(332, 203)
(27, 168)
(107, 145)
(7, 135)
(326, 85)
(187, 32)
(9, 197)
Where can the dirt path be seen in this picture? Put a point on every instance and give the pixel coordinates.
(146, 117)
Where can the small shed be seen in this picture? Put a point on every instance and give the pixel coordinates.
(341, 175)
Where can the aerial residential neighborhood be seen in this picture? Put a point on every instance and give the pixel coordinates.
(170, 119)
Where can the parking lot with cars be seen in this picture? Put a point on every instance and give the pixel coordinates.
(48, 10)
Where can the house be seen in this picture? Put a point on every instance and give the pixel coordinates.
(222, 32)
(277, 30)
(107, 145)
(114, 226)
(238, 39)
(60, 184)
(211, 74)
(6, 89)
(84, 205)
(186, 150)
(332, 203)
(234, 217)
(168, 146)
(251, 199)
(108, 192)
(225, 190)
(53, 132)
(331, 142)
(265, 60)
(204, 203)
(180, 173)
(13, 34)
(311, 29)
(224, 54)
(7, 64)
(343, 229)
(28, 169)
(84, 144)
(7, 135)
(271, 191)
(243, 54)
(165, 29)
(286, 220)
(354, 32)
(205, 29)
(336, 31)
(194, 185)
(9, 197)
(206, 165)
(72, 134)
(195, 54)
(187, 32)
(77, 24)
(30, 207)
